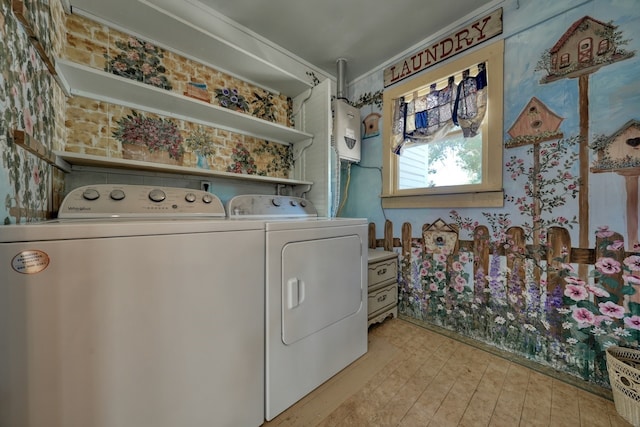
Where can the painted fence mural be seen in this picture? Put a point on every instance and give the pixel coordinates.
(528, 300)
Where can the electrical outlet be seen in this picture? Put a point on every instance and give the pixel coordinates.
(205, 185)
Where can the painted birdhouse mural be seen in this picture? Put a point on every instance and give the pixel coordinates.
(371, 127)
(440, 238)
(619, 152)
(583, 48)
(536, 123)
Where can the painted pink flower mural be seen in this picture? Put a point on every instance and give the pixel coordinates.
(583, 316)
(608, 266)
(633, 322)
(576, 292)
(611, 309)
(139, 60)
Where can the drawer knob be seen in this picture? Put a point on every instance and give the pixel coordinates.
(382, 271)
(382, 298)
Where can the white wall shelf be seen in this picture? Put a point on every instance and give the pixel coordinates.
(88, 82)
(109, 162)
(196, 31)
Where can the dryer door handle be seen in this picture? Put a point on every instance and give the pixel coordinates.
(295, 292)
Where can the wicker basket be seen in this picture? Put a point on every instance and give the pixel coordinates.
(623, 365)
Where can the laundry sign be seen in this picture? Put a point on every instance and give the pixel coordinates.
(465, 38)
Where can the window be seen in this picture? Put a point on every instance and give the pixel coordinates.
(451, 160)
(603, 47)
(456, 169)
(564, 60)
(586, 53)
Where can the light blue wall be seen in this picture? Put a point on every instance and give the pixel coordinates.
(530, 27)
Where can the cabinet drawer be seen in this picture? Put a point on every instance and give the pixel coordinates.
(383, 297)
(382, 271)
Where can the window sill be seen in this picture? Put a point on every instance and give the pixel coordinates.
(488, 199)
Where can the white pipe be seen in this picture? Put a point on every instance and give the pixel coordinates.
(342, 79)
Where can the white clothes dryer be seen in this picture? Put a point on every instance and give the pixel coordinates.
(316, 295)
(149, 313)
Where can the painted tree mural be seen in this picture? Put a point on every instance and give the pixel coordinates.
(582, 50)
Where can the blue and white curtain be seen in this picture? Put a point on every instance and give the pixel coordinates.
(431, 116)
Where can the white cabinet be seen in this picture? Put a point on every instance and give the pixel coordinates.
(382, 286)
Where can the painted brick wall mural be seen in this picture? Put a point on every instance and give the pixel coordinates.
(104, 129)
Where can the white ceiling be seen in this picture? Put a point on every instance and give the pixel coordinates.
(367, 33)
(278, 44)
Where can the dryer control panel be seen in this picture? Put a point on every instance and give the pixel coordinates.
(130, 201)
(268, 206)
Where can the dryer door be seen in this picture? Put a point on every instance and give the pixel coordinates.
(318, 294)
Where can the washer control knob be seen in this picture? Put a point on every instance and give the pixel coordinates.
(276, 202)
(190, 197)
(90, 194)
(303, 203)
(293, 203)
(117, 195)
(157, 195)
(207, 198)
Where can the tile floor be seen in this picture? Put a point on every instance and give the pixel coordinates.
(412, 376)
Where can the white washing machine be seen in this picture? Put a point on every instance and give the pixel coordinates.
(316, 295)
(151, 313)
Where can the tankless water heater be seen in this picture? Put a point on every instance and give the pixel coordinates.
(346, 131)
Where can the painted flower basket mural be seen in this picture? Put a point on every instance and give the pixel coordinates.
(242, 161)
(139, 60)
(281, 159)
(200, 143)
(263, 106)
(149, 139)
(230, 98)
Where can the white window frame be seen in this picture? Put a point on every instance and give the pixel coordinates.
(489, 193)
